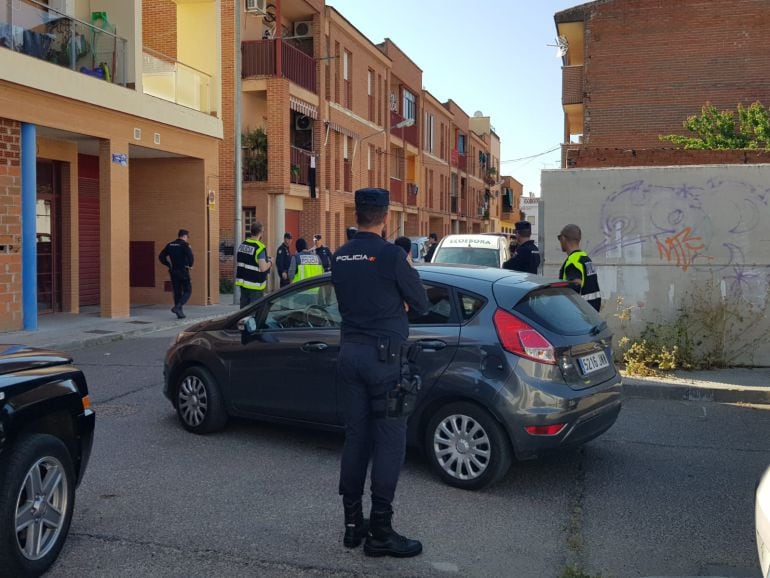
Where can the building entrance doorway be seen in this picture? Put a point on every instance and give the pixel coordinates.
(49, 249)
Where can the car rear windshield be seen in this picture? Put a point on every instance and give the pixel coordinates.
(467, 256)
(559, 309)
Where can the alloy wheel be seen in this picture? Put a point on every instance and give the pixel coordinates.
(40, 508)
(193, 400)
(462, 447)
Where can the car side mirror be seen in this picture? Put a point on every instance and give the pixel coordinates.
(248, 328)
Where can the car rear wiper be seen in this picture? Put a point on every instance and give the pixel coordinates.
(598, 328)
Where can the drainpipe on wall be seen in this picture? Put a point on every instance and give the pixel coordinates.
(237, 225)
(29, 225)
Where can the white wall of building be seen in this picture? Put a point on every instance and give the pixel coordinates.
(657, 234)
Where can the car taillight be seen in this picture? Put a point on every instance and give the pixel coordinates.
(521, 339)
(545, 430)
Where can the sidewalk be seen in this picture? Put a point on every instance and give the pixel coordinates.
(69, 332)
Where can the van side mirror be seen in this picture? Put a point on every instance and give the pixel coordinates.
(248, 328)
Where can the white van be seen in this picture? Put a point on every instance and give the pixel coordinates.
(473, 249)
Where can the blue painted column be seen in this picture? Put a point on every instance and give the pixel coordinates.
(29, 225)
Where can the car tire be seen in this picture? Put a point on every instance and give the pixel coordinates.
(466, 446)
(199, 402)
(37, 491)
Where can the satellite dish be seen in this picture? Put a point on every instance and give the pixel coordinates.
(478, 114)
(562, 46)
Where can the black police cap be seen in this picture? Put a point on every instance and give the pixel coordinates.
(372, 197)
(523, 227)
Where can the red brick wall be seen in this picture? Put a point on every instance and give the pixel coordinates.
(10, 226)
(650, 64)
(607, 157)
(159, 26)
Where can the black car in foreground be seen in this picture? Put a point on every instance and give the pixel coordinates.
(512, 365)
(46, 433)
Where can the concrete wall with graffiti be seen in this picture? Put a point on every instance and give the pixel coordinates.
(656, 233)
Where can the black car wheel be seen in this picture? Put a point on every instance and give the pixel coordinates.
(199, 402)
(466, 446)
(37, 496)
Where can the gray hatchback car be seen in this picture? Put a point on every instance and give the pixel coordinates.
(512, 365)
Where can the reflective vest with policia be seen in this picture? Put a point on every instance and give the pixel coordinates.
(247, 273)
(589, 282)
(308, 265)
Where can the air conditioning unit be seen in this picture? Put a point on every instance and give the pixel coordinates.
(259, 6)
(303, 29)
(303, 122)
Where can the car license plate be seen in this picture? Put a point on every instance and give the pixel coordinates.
(593, 362)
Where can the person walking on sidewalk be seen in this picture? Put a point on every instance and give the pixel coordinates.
(252, 267)
(305, 263)
(577, 268)
(283, 260)
(375, 287)
(177, 256)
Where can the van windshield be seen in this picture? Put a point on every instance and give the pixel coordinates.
(467, 256)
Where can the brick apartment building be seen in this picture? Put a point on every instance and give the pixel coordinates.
(317, 92)
(109, 137)
(636, 69)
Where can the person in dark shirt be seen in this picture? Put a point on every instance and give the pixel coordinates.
(432, 242)
(406, 244)
(323, 252)
(283, 260)
(375, 287)
(178, 257)
(526, 257)
(578, 268)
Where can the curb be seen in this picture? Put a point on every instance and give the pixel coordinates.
(77, 344)
(683, 392)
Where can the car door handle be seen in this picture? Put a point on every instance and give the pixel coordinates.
(431, 344)
(314, 346)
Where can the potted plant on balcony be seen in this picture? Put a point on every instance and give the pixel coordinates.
(294, 173)
(254, 146)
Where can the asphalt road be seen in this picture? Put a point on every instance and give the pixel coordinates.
(668, 491)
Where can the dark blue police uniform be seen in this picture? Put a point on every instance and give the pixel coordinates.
(373, 280)
(526, 258)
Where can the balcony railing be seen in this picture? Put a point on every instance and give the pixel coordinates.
(411, 194)
(396, 190)
(347, 168)
(300, 166)
(453, 204)
(409, 133)
(259, 59)
(166, 78)
(37, 30)
(459, 160)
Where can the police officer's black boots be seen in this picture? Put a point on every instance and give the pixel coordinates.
(356, 527)
(383, 540)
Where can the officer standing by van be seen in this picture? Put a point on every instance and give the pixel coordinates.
(252, 265)
(375, 287)
(526, 257)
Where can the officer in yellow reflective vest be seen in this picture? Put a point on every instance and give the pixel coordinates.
(578, 268)
(305, 263)
(253, 263)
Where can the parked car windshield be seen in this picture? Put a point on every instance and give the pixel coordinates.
(467, 256)
(559, 309)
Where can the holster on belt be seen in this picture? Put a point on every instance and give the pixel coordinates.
(402, 400)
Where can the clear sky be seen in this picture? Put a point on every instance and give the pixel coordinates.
(487, 55)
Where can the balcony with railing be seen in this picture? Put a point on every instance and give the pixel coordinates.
(37, 30)
(411, 194)
(409, 133)
(166, 78)
(459, 160)
(396, 190)
(259, 58)
(453, 205)
(300, 166)
(347, 175)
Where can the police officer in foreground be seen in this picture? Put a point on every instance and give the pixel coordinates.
(283, 260)
(375, 288)
(181, 261)
(578, 268)
(252, 266)
(526, 257)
